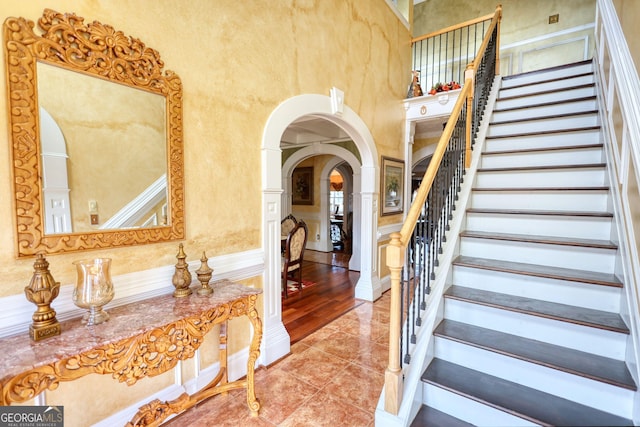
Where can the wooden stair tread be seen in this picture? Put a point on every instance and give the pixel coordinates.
(543, 149)
(543, 118)
(545, 132)
(515, 399)
(547, 69)
(554, 79)
(544, 167)
(550, 240)
(558, 273)
(431, 417)
(533, 189)
(586, 365)
(544, 104)
(544, 92)
(539, 212)
(549, 310)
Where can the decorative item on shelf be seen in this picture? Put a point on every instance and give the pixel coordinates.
(415, 89)
(93, 289)
(444, 87)
(204, 274)
(42, 290)
(181, 277)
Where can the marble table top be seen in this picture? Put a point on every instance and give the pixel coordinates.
(18, 353)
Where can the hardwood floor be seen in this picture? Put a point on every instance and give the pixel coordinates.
(332, 296)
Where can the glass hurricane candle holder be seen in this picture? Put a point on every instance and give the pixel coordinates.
(93, 289)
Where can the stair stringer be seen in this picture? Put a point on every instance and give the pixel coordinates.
(627, 260)
(423, 350)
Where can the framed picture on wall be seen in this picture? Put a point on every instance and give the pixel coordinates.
(302, 186)
(392, 186)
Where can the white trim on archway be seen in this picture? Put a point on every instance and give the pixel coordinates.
(276, 341)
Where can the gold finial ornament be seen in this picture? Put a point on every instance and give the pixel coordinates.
(42, 290)
(204, 274)
(181, 278)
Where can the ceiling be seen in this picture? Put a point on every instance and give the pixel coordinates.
(311, 129)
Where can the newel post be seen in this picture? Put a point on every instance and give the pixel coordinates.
(393, 381)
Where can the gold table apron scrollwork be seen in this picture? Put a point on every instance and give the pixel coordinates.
(141, 339)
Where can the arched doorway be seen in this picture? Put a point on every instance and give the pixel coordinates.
(276, 343)
(341, 155)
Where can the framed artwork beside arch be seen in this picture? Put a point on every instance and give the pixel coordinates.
(391, 186)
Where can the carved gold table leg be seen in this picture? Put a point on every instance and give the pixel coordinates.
(254, 352)
(155, 412)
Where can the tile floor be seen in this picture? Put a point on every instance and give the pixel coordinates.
(332, 377)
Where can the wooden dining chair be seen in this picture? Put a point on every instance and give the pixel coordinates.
(291, 265)
(287, 224)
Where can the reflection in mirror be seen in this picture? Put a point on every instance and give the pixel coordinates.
(96, 137)
(113, 137)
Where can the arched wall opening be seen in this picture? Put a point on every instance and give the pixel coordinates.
(276, 342)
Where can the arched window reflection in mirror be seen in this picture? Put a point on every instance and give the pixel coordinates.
(115, 138)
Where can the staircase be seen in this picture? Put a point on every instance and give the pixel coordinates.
(531, 332)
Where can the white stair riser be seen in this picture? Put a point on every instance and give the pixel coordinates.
(543, 158)
(565, 334)
(543, 86)
(545, 110)
(547, 75)
(596, 394)
(585, 295)
(531, 126)
(580, 258)
(564, 139)
(543, 98)
(563, 200)
(545, 225)
(469, 410)
(562, 177)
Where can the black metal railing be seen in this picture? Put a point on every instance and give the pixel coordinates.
(485, 73)
(429, 234)
(413, 253)
(442, 57)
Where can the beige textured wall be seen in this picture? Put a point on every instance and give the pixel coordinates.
(238, 61)
(521, 20)
(234, 73)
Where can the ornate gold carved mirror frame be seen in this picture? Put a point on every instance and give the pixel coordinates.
(100, 51)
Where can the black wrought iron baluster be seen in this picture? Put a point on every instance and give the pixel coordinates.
(411, 271)
(404, 309)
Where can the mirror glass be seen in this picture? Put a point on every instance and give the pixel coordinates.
(99, 137)
(96, 137)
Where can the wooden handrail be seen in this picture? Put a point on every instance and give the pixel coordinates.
(434, 165)
(454, 27)
(494, 23)
(397, 247)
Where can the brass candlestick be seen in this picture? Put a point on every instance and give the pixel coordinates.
(182, 278)
(204, 274)
(42, 290)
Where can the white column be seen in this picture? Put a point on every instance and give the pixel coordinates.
(368, 287)
(275, 340)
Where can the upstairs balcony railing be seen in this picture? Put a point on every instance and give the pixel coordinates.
(442, 56)
(412, 254)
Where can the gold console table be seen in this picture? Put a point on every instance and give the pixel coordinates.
(141, 339)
